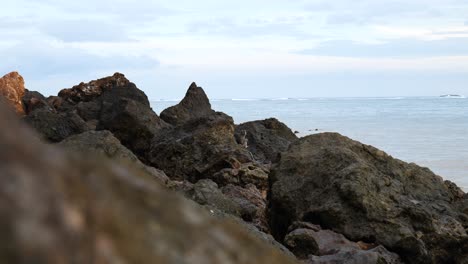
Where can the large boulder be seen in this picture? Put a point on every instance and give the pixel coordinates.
(117, 84)
(104, 144)
(204, 148)
(265, 138)
(12, 89)
(366, 195)
(61, 208)
(132, 122)
(194, 105)
(113, 103)
(54, 126)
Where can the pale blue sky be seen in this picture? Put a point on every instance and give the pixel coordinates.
(241, 49)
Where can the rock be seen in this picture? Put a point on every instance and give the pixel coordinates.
(265, 138)
(252, 204)
(132, 122)
(198, 149)
(117, 85)
(325, 246)
(62, 208)
(12, 89)
(104, 144)
(33, 100)
(366, 195)
(54, 126)
(243, 175)
(206, 192)
(301, 242)
(194, 105)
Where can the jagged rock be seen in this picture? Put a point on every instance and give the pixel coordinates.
(265, 138)
(61, 208)
(252, 204)
(194, 105)
(103, 143)
(366, 195)
(116, 85)
(12, 89)
(133, 123)
(54, 126)
(33, 100)
(198, 149)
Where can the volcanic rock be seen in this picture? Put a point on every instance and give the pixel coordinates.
(12, 89)
(132, 122)
(54, 126)
(104, 144)
(252, 204)
(265, 138)
(63, 208)
(324, 246)
(33, 100)
(361, 192)
(117, 84)
(194, 105)
(198, 149)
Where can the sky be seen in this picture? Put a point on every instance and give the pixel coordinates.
(241, 49)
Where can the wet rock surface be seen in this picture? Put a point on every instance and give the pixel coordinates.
(12, 90)
(361, 192)
(60, 208)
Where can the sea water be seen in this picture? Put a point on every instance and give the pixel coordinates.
(429, 131)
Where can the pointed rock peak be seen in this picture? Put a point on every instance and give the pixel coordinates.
(12, 89)
(193, 86)
(194, 105)
(196, 98)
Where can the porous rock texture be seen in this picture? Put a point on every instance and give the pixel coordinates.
(12, 89)
(363, 193)
(265, 139)
(62, 208)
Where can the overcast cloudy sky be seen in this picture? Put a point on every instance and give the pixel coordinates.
(255, 48)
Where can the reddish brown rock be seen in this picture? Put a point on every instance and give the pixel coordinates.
(12, 88)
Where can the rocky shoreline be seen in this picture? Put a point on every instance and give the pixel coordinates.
(94, 175)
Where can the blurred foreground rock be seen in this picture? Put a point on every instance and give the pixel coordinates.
(61, 208)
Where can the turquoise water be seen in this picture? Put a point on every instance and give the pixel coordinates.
(430, 131)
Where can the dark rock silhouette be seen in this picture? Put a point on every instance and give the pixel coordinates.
(361, 192)
(33, 100)
(55, 126)
(194, 105)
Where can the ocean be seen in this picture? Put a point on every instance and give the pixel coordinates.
(429, 131)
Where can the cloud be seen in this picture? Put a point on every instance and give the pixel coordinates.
(40, 60)
(280, 26)
(84, 30)
(395, 48)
